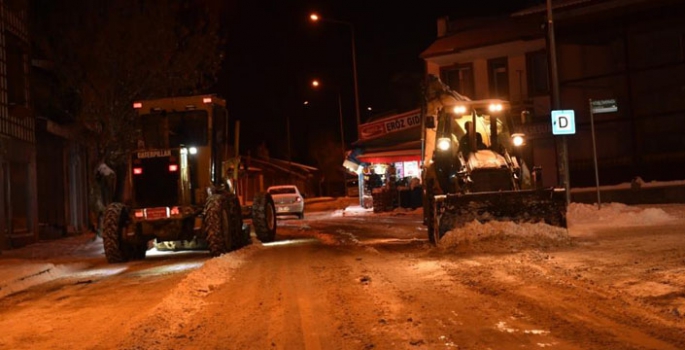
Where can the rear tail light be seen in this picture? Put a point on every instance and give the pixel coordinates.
(139, 213)
(298, 199)
(173, 168)
(137, 171)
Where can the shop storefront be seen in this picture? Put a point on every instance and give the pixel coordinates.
(387, 161)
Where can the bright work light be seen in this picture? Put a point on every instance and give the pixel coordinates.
(444, 143)
(518, 139)
(459, 109)
(495, 107)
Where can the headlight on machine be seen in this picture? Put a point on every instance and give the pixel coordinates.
(459, 110)
(518, 140)
(189, 150)
(444, 143)
(495, 107)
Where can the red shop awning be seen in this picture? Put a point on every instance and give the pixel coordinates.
(391, 156)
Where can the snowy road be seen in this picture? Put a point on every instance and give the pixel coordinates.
(371, 281)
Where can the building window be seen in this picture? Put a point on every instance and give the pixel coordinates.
(538, 73)
(498, 78)
(655, 48)
(16, 5)
(17, 195)
(16, 77)
(460, 79)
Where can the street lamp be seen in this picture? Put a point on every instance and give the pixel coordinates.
(315, 85)
(315, 18)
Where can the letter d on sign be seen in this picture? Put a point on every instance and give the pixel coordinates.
(563, 122)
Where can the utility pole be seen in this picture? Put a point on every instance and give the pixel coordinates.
(290, 157)
(342, 132)
(556, 102)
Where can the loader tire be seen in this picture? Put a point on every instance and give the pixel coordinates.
(458, 217)
(264, 217)
(448, 222)
(114, 225)
(428, 208)
(217, 224)
(557, 219)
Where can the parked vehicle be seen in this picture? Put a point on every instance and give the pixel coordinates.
(352, 188)
(288, 200)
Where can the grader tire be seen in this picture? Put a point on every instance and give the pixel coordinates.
(264, 217)
(216, 225)
(113, 228)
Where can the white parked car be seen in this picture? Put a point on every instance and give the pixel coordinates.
(288, 200)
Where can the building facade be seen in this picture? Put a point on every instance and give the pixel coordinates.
(18, 194)
(631, 53)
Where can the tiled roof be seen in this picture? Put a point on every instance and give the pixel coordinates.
(505, 29)
(556, 4)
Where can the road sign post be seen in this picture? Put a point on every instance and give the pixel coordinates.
(596, 107)
(594, 152)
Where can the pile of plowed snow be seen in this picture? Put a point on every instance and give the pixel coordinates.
(583, 220)
(504, 236)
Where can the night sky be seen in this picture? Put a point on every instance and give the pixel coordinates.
(273, 52)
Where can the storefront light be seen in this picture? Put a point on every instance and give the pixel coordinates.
(351, 166)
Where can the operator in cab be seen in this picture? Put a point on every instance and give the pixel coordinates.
(465, 143)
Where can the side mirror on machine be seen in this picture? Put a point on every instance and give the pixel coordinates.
(430, 122)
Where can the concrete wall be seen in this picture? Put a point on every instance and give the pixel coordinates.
(642, 195)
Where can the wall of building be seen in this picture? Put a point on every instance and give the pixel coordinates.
(18, 200)
(631, 52)
(480, 77)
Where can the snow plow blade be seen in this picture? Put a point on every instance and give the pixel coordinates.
(531, 206)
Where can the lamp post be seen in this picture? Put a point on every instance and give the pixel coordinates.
(315, 18)
(290, 156)
(315, 85)
(287, 129)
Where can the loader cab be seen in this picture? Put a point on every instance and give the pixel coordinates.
(473, 168)
(489, 119)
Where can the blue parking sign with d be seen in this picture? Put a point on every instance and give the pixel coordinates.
(563, 122)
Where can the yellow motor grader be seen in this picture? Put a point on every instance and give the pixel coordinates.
(179, 185)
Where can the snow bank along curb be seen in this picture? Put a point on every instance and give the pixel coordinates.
(17, 275)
